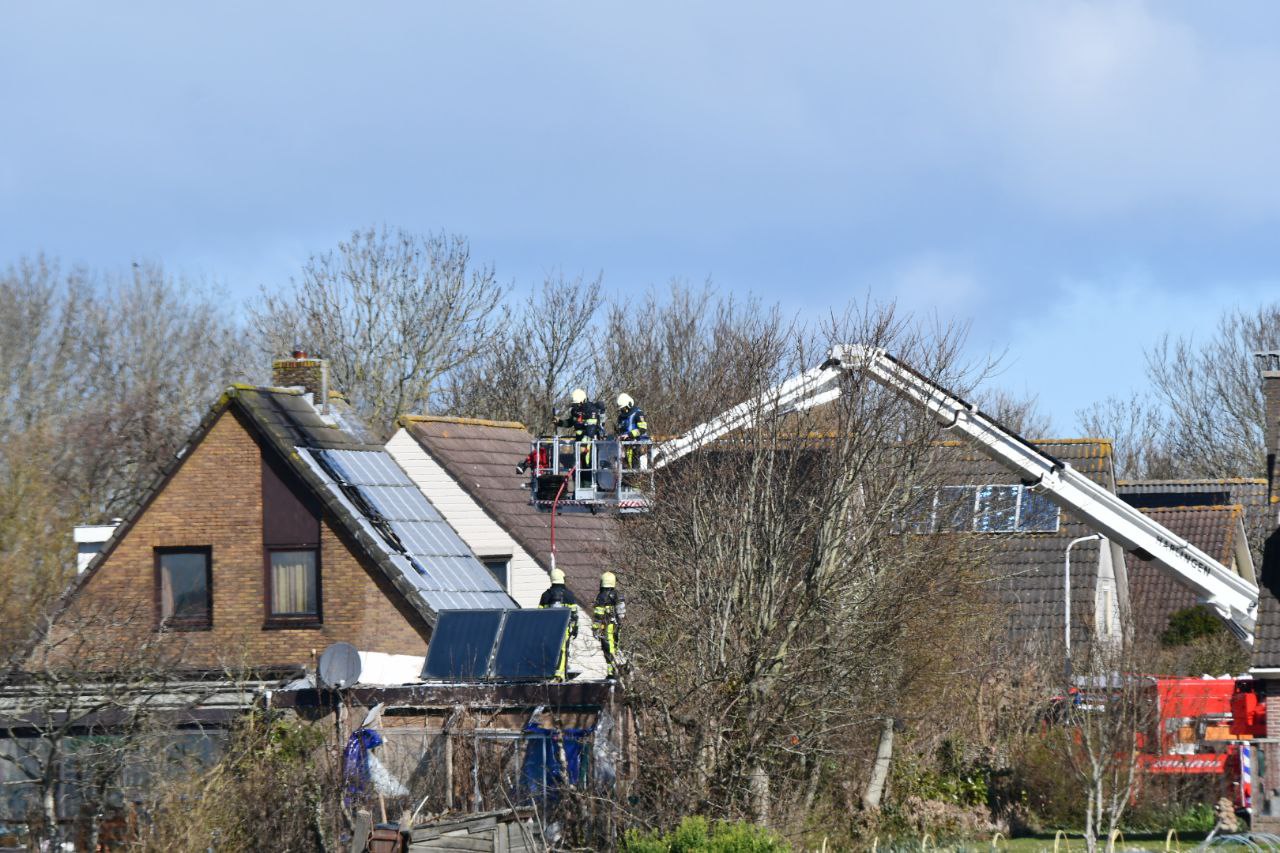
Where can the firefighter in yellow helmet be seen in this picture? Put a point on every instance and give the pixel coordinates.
(606, 618)
(559, 595)
(586, 419)
(632, 427)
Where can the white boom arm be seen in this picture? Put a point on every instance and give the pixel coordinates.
(811, 388)
(1234, 598)
(1231, 596)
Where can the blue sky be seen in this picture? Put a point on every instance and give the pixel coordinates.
(1074, 179)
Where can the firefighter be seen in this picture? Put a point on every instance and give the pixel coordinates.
(586, 419)
(606, 618)
(559, 595)
(631, 426)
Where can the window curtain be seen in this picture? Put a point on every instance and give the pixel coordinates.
(293, 586)
(166, 592)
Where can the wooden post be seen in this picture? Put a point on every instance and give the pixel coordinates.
(361, 831)
(448, 771)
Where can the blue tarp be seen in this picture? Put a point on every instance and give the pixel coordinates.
(541, 772)
(355, 762)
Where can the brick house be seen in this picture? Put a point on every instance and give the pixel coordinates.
(1265, 664)
(280, 528)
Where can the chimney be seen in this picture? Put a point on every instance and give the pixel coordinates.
(301, 370)
(1270, 363)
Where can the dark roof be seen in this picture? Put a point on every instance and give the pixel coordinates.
(417, 550)
(1266, 639)
(481, 457)
(1155, 595)
(1251, 494)
(1027, 568)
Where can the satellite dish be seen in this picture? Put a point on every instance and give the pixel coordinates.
(339, 666)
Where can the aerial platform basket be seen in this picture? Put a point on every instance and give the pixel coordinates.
(591, 475)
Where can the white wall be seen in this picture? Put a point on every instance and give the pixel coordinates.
(526, 580)
(1106, 615)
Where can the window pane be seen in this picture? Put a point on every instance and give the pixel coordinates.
(293, 583)
(497, 567)
(1038, 514)
(997, 508)
(955, 508)
(184, 586)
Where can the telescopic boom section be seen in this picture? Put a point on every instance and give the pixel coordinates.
(1234, 598)
(811, 388)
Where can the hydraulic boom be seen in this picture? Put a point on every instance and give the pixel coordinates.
(1232, 597)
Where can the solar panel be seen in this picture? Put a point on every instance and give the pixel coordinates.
(436, 561)
(462, 644)
(530, 643)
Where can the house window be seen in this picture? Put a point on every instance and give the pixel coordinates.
(184, 585)
(499, 567)
(293, 586)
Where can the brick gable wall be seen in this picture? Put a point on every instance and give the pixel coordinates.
(215, 499)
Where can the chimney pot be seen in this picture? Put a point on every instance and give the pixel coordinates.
(311, 374)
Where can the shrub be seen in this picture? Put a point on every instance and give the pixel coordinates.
(697, 835)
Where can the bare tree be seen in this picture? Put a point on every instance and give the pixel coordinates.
(1213, 395)
(1203, 413)
(105, 377)
(786, 614)
(1138, 431)
(528, 366)
(79, 714)
(1103, 717)
(1020, 414)
(394, 312)
(688, 353)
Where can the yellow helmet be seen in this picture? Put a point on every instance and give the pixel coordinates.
(557, 576)
(608, 580)
(578, 395)
(624, 400)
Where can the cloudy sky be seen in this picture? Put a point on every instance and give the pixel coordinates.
(1073, 179)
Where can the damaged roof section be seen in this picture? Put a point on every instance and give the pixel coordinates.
(480, 456)
(414, 538)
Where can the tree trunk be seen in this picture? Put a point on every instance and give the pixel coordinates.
(880, 770)
(760, 805)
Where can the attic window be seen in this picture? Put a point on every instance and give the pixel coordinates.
(500, 568)
(183, 588)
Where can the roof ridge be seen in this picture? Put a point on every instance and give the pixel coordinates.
(1223, 480)
(270, 389)
(405, 420)
(1235, 508)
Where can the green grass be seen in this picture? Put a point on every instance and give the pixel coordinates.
(1039, 843)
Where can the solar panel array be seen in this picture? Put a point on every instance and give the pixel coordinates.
(462, 645)
(513, 645)
(420, 543)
